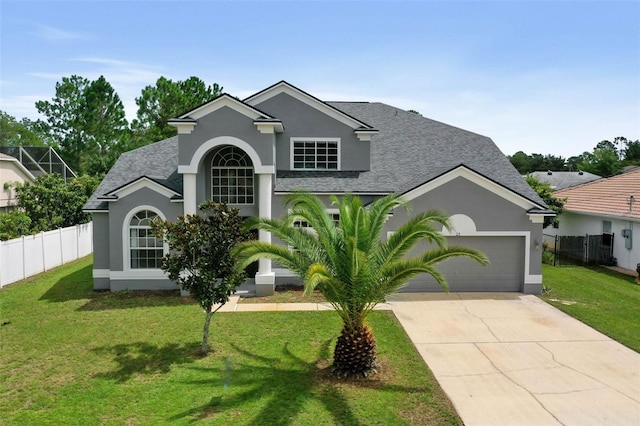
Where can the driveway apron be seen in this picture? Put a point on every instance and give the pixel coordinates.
(512, 359)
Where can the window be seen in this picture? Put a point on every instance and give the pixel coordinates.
(315, 153)
(231, 176)
(146, 249)
(335, 217)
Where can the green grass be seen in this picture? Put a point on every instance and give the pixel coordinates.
(69, 355)
(605, 300)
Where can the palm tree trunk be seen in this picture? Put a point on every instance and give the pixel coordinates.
(204, 349)
(355, 353)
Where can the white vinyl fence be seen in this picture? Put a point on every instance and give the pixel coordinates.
(30, 255)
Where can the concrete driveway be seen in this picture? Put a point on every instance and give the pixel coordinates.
(512, 359)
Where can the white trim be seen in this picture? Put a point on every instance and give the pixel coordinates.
(365, 135)
(221, 102)
(101, 273)
(381, 194)
(464, 172)
(258, 168)
(95, 211)
(538, 218)
(21, 166)
(143, 182)
(269, 127)
(139, 274)
(284, 87)
(183, 128)
(126, 249)
(264, 210)
(604, 215)
(294, 139)
(533, 279)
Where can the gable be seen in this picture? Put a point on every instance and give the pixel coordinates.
(285, 88)
(138, 184)
(189, 120)
(475, 178)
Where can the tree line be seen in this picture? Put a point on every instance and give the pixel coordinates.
(607, 158)
(85, 120)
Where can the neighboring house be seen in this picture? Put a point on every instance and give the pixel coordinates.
(563, 180)
(609, 207)
(252, 153)
(11, 171)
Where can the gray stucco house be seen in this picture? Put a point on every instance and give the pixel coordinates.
(251, 153)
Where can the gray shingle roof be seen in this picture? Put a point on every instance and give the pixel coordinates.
(563, 180)
(158, 161)
(408, 151)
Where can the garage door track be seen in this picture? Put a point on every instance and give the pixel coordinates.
(512, 359)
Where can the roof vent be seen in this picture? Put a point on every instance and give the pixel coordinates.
(549, 172)
(580, 172)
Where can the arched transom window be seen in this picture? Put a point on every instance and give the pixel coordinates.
(146, 249)
(231, 176)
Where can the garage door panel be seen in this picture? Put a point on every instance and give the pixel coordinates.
(505, 273)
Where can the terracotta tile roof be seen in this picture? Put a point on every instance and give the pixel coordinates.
(609, 197)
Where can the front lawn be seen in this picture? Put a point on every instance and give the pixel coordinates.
(605, 300)
(69, 355)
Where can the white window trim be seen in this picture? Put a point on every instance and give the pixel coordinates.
(126, 247)
(292, 141)
(253, 177)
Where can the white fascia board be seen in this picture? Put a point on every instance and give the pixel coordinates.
(473, 177)
(604, 215)
(20, 167)
(95, 211)
(138, 184)
(305, 98)
(382, 194)
(221, 102)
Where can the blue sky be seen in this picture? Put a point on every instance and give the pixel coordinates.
(540, 76)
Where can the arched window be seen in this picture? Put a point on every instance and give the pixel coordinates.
(146, 250)
(231, 176)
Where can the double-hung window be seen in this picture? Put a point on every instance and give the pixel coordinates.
(315, 153)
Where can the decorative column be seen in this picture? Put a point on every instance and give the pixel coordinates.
(265, 278)
(189, 193)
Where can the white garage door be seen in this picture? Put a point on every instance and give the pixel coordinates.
(505, 273)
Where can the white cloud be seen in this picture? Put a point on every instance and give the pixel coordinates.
(56, 34)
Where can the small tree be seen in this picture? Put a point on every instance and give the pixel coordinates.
(545, 192)
(353, 264)
(52, 203)
(200, 260)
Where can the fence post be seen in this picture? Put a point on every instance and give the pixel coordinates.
(77, 242)
(555, 250)
(61, 246)
(24, 259)
(44, 259)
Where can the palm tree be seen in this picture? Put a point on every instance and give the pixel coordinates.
(350, 262)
